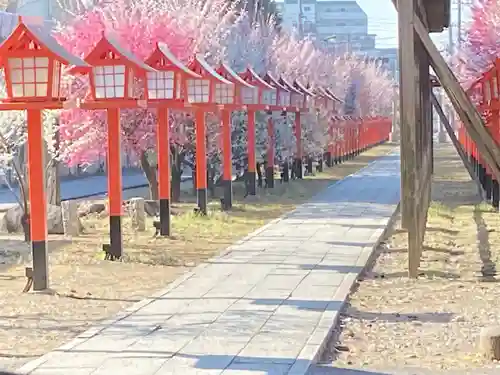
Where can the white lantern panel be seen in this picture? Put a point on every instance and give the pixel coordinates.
(160, 85)
(198, 90)
(296, 100)
(249, 95)
(274, 97)
(109, 81)
(224, 94)
(495, 87)
(26, 74)
(266, 97)
(284, 98)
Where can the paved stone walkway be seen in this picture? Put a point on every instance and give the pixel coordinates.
(265, 306)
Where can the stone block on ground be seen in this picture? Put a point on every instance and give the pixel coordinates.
(55, 220)
(71, 219)
(137, 213)
(12, 220)
(87, 208)
(489, 342)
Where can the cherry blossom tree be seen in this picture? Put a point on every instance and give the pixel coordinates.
(223, 33)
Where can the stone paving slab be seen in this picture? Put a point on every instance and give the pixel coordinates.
(265, 306)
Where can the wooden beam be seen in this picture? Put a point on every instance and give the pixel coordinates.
(456, 143)
(408, 123)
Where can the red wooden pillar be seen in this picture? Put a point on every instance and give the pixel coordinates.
(331, 144)
(252, 159)
(114, 183)
(299, 152)
(37, 205)
(163, 149)
(227, 162)
(270, 153)
(201, 162)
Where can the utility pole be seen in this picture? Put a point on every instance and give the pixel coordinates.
(301, 17)
(459, 24)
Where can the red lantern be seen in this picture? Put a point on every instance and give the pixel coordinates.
(167, 88)
(306, 95)
(282, 99)
(211, 91)
(117, 75)
(33, 63)
(170, 79)
(267, 93)
(296, 97)
(212, 88)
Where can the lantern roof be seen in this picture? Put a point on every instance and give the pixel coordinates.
(332, 95)
(320, 92)
(302, 88)
(289, 86)
(108, 44)
(24, 33)
(274, 82)
(169, 61)
(200, 66)
(254, 78)
(225, 71)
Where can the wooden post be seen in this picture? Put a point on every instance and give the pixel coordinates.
(408, 124)
(227, 163)
(114, 183)
(252, 159)
(407, 102)
(298, 139)
(270, 153)
(201, 162)
(37, 206)
(163, 151)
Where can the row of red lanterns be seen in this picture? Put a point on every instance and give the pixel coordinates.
(33, 64)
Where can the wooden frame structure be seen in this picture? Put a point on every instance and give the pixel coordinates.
(417, 18)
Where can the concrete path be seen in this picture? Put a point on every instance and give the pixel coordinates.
(265, 306)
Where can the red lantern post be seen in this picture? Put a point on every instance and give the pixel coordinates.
(33, 63)
(280, 103)
(206, 94)
(112, 87)
(266, 95)
(244, 95)
(304, 102)
(167, 89)
(296, 101)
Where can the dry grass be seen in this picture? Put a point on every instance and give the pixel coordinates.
(432, 323)
(89, 289)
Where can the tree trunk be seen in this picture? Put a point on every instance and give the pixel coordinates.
(150, 173)
(175, 189)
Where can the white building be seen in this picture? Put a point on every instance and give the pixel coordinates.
(342, 25)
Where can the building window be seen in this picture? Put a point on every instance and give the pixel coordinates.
(340, 23)
(307, 9)
(343, 9)
(328, 10)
